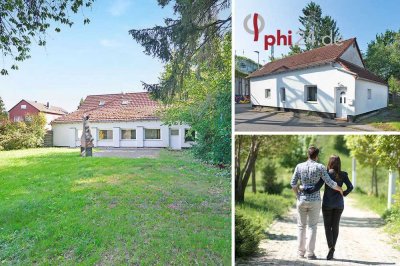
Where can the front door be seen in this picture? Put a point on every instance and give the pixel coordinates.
(174, 142)
(341, 104)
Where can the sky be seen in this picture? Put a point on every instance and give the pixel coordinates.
(97, 58)
(362, 19)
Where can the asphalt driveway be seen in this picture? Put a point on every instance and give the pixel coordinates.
(249, 120)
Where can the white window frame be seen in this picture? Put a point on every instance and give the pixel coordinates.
(112, 134)
(18, 118)
(267, 93)
(128, 129)
(306, 93)
(159, 129)
(369, 94)
(23, 106)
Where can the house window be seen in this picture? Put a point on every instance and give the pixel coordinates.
(28, 118)
(105, 134)
(125, 102)
(174, 132)
(369, 94)
(79, 134)
(283, 94)
(268, 93)
(23, 106)
(18, 118)
(311, 92)
(101, 103)
(128, 134)
(152, 134)
(190, 135)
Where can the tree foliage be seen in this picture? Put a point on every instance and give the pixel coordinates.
(383, 55)
(24, 22)
(205, 104)
(298, 151)
(363, 148)
(184, 41)
(3, 111)
(317, 29)
(20, 135)
(248, 149)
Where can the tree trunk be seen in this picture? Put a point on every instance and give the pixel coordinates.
(244, 174)
(253, 180)
(376, 180)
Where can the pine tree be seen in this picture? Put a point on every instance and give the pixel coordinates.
(3, 112)
(189, 38)
(316, 27)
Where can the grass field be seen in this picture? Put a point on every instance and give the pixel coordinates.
(388, 120)
(58, 208)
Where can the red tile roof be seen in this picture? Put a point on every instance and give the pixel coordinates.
(41, 107)
(319, 56)
(361, 72)
(115, 107)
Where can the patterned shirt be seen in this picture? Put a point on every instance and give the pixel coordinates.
(309, 173)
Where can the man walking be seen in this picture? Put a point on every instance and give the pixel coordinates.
(309, 205)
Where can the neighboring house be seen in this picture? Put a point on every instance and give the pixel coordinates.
(121, 120)
(331, 80)
(22, 110)
(243, 67)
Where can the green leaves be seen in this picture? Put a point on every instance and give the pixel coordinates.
(185, 41)
(383, 55)
(24, 21)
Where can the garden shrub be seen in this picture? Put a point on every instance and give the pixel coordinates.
(22, 135)
(248, 235)
(269, 180)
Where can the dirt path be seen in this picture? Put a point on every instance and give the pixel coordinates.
(362, 241)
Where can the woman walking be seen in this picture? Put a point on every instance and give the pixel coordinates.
(332, 203)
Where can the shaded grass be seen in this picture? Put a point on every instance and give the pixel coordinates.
(263, 208)
(59, 208)
(388, 120)
(379, 206)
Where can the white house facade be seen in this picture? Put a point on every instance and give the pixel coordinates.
(121, 121)
(331, 81)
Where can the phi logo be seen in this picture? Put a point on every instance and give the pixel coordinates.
(257, 28)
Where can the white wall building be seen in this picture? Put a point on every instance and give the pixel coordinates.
(331, 80)
(121, 120)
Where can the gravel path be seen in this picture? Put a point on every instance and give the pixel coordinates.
(362, 241)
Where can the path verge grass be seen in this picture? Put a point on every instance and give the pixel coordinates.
(255, 216)
(59, 208)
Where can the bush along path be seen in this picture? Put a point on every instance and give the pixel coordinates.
(362, 241)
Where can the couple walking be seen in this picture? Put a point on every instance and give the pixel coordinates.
(312, 175)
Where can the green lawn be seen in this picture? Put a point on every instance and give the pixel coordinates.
(59, 208)
(388, 120)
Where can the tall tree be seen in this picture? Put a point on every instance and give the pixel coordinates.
(24, 22)
(388, 151)
(363, 148)
(206, 105)
(394, 87)
(383, 55)
(184, 41)
(316, 28)
(3, 111)
(248, 149)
